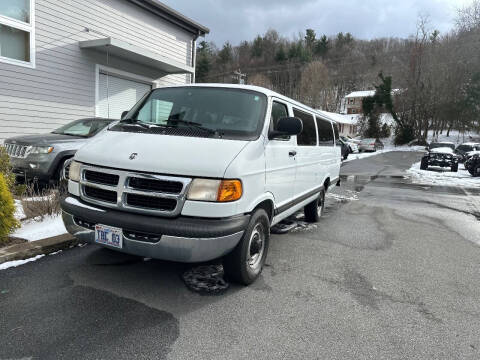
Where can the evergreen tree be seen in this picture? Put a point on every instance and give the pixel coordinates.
(225, 55)
(281, 54)
(310, 39)
(322, 46)
(204, 63)
(257, 47)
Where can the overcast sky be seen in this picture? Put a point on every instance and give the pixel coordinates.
(244, 19)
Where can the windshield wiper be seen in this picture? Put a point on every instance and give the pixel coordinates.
(194, 125)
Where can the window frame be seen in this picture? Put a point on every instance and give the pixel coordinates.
(23, 26)
(270, 124)
(313, 115)
(319, 119)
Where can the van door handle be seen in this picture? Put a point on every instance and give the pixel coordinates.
(292, 153)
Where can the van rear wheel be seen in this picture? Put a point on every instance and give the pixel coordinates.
(245, 263)
(313, 211)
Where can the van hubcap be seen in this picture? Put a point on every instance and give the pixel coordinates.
(256, 248)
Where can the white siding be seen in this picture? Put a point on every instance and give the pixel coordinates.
(62, 86)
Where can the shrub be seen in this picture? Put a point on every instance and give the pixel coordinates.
(8, 223)
(6, 168)
(403, 135)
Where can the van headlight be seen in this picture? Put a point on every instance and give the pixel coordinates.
(74, 171)
(215, 190)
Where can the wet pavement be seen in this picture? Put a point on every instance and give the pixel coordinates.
(391, 271)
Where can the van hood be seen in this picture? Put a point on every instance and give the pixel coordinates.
(162, 154)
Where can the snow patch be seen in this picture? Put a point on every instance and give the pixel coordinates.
(35, 229)
(16, 263)
(349, 196)
(19, 213)
(443, 176)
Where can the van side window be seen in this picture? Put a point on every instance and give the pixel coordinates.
(325, 132)
(308, 137)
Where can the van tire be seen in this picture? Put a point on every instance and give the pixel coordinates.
(235, 264)
(314, 210)
(454, 168)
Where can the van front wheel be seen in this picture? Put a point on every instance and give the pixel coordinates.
(313, 211)
(244, 264)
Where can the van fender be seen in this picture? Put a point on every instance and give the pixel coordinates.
(265, 197)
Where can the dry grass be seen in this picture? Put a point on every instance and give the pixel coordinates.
(40, 203)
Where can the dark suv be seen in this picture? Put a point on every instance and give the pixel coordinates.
(440, 154)
(463, 150)
(473, 165)
(41, 157)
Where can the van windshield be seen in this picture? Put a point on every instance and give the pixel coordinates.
(198, 112)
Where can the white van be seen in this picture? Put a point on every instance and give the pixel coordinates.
(198, 172)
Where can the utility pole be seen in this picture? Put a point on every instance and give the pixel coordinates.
(238, 77)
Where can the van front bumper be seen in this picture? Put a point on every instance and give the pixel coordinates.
(182, 239)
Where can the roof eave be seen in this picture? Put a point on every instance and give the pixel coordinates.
(173, 16)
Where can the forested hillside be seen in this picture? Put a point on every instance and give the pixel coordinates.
(438, 74)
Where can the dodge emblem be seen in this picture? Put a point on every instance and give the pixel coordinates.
(133, 156)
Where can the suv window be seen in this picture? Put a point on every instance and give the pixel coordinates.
(308, 137)
(325, 132)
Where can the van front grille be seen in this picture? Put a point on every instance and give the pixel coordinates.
(100, 194)
(150, 202)
(133, 191)
(101, 178)
(172, 187)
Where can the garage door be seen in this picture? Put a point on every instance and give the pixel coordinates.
(117, 94)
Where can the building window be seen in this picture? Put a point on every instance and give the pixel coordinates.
(354, 111)
(17, 32)
(351, 101)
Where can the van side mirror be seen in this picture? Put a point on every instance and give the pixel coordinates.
(123, 114)
(286, 126)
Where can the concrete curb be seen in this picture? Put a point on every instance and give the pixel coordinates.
(34, 248)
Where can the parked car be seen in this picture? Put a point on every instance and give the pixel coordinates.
(473, 164)
(439, 156)
(353, 146)
(41, 157)
(463, 149)
(345, 148)
(194, 173)
(370, 145)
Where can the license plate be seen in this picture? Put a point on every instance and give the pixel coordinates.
(108, 235)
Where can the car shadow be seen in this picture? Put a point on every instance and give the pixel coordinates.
(155, 283)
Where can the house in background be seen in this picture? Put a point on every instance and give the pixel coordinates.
(353, 101)
(347, 124)
(63, 60)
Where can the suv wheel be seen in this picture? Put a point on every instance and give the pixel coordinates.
(424, 164)
(454, 167)
(244, 264)
(314, 210)
(476, 170)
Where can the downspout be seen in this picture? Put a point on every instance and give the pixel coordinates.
(194, 57)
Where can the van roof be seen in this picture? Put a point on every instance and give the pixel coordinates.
(259, 89)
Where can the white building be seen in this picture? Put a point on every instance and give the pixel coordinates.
(347, 124)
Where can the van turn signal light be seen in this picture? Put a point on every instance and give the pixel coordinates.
(229, 190)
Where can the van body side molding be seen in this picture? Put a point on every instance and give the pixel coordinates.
(298, 200)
